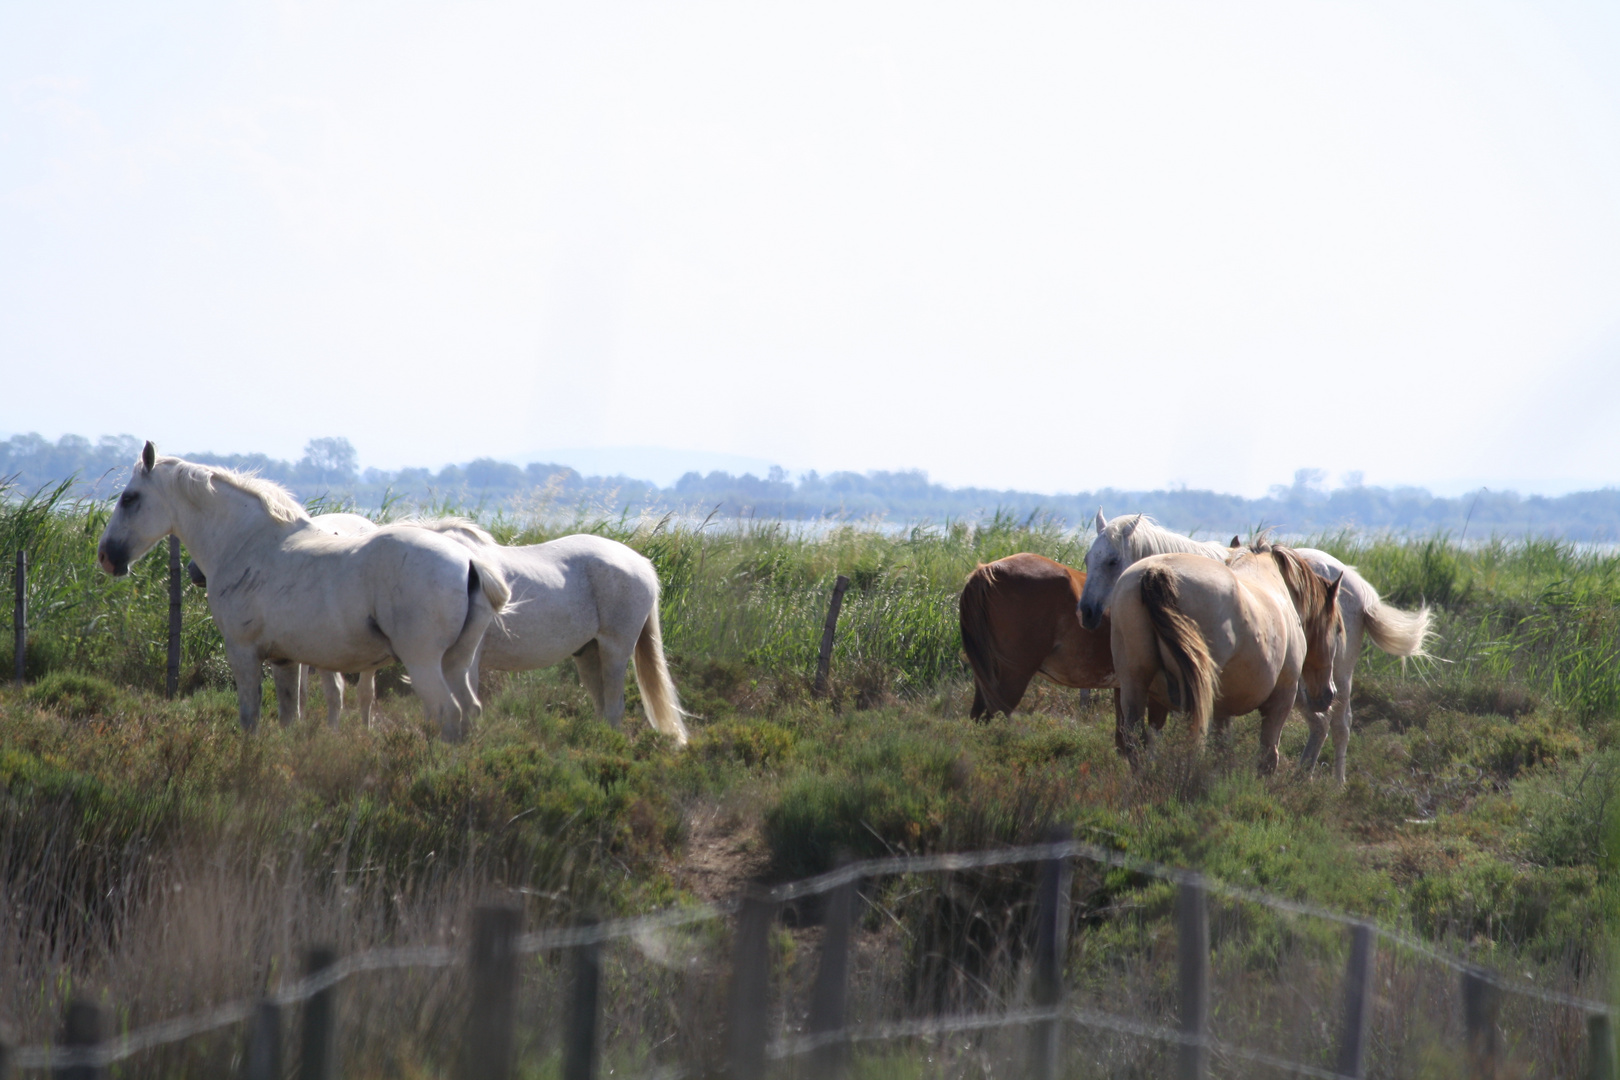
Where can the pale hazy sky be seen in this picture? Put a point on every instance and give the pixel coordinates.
(1052, 247)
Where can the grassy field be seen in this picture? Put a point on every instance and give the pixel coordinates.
(154, 857)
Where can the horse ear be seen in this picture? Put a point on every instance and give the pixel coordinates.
(1333, 588)
(1235, 543)
(1101, 522)
(148, 455)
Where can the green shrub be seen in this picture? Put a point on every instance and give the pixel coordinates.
(77, 696)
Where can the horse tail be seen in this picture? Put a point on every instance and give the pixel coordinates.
(1182, 639)
(652, 677)
(1399, 633)
(483, 576)
(979, 641)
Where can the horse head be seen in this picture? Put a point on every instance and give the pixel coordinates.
(1324, 636)
(1104, 563)
(141, 518)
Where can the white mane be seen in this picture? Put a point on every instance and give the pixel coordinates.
(1137, 536)
(196, 484)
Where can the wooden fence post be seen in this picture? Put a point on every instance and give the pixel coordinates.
(824, 659)
(5, 1062)
(829, 997)
(1192, 957)
(19, 622)
(1599, 1053)
(1051, 949)
(748, 1011)
(486, 1047)
(264, 1043)
(1480, 1004)
(581, 1049)
(1358, 984)
(318, 1056)
(172, 683)
(82, 1027)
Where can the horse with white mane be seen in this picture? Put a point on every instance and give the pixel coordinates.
(286, 589)
(1130, 537)
(584, 596)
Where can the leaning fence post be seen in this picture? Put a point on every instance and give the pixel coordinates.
(1600, 1048)
(172, 683)
(1192, 957)
(486, 1048)
(581, 1046)
(1480, 1003)
(81, 1030)
(829, 997)
(1051, 947)
(264, 1043)
(1358, 979)
(318, 1059)
(824, 659)
(750, 984)
(19, 620)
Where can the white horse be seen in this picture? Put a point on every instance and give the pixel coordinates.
(285, 589)
(1130, 537)
(292, 679)
(583, 596)
(580, 596)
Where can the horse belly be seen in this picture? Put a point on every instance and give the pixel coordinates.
(1247, 681)
(544, 627)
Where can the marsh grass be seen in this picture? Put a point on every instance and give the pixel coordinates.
(156, 859)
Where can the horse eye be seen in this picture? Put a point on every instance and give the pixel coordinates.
(128, 499)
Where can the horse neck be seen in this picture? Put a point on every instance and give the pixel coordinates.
(1151, 539)
(232, 520)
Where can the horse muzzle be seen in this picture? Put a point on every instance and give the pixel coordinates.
(113, 560)
(1090, 616)
(1323, 701)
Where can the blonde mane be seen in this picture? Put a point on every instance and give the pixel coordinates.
(1136, 536)
(196, 482)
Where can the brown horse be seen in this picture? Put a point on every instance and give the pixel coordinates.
(1019, 621)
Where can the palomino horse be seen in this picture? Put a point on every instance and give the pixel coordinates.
(1018, 621)
(285, 589)
(1129, 537)
(1227, 638)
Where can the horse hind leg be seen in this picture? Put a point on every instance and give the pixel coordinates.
(438, 700)
(614, 661)
(589, 662)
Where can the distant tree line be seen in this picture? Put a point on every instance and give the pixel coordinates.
(330, 470)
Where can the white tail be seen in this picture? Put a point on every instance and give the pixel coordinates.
(493, 583)
(657, 689)
(1397, 632)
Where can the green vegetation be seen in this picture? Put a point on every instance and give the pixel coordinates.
(1479, 812)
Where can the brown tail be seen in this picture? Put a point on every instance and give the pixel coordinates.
(979, 642)
(1181, 638)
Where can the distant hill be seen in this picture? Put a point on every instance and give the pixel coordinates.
(329, 469)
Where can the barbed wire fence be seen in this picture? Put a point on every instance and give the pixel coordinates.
(830, 1034)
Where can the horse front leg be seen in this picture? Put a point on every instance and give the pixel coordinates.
(332, 690)
(248, 669)
(1273, 715)
(289, 680)
(366, 690)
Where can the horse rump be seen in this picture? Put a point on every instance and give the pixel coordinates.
(979, 643)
